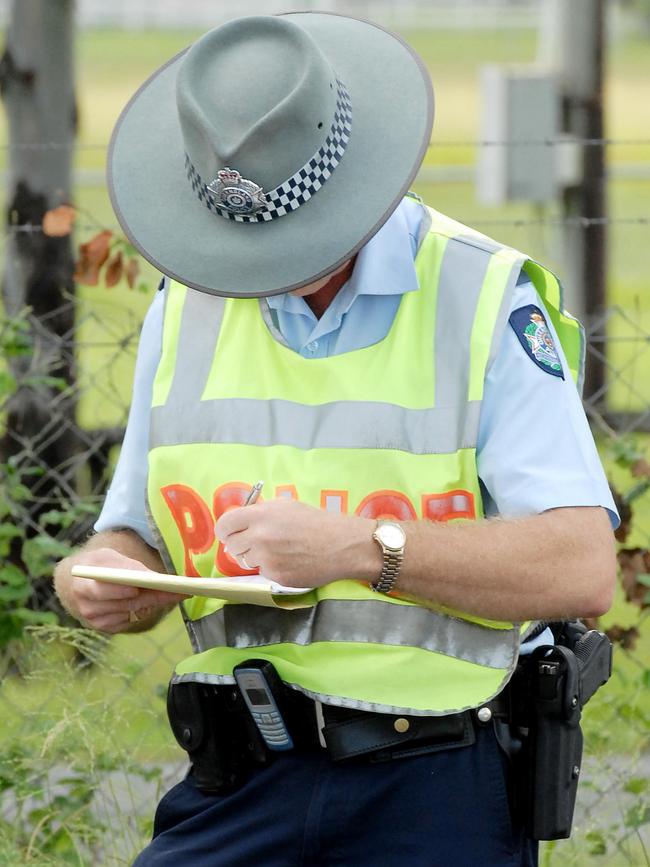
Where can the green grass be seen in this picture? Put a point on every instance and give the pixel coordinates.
(132, 672)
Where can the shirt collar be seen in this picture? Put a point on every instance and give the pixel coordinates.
(385, 265)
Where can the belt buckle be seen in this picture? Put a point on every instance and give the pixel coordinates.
(320, 722)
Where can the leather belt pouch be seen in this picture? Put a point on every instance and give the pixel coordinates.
(378, 734)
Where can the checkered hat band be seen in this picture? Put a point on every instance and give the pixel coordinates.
(301, 186)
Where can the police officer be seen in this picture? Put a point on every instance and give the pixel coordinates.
(405, 387)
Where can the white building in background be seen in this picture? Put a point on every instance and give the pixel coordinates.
(203, 14)
(624, 16)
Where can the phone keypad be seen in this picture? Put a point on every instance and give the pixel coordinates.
(271, 727)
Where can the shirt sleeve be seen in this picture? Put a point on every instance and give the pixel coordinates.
(535, 449)
(124, 505)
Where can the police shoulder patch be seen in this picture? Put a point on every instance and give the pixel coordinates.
(533, 333)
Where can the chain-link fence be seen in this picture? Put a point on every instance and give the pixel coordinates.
(86, 749)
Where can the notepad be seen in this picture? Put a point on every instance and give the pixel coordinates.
(251, 589)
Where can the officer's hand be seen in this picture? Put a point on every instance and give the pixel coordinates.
(298, 545)
(113, 607)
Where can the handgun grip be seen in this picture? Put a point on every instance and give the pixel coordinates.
(593, 652)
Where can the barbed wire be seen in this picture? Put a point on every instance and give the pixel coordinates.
(37, 229)
(543, 142)
(51, 145)
(577, 222)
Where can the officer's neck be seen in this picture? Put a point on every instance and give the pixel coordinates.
(321, 298)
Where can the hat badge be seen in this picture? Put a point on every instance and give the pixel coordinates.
(236, 194)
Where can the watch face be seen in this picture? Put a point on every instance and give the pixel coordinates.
(392, 536)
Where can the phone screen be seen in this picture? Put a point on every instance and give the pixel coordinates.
(258, 696)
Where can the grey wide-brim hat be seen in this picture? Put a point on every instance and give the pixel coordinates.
(264, 156)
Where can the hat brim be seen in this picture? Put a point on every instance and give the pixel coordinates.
(392, 116)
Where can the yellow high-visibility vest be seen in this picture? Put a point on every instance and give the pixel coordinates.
(387, 430)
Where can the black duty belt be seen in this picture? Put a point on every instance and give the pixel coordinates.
(214, 726)
(538, 714)
(348, 733)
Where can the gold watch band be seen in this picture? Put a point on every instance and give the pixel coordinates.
(389, 572)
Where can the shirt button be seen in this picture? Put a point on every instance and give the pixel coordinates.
(313, 346)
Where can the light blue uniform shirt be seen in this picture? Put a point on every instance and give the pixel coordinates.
(535, 450)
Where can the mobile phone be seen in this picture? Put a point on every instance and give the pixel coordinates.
(259, 685)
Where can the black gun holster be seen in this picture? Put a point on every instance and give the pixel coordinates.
(213, 726)
(548, 693)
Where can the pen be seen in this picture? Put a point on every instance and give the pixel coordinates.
(255, 491)
(252, 497)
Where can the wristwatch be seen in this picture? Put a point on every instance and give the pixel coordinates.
(392, 541)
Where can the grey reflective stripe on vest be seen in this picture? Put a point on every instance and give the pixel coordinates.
(362, 621)
(462, 273)
(197, 340)
(504, 310)
(450, 425)
(344, 424)
(425, 224)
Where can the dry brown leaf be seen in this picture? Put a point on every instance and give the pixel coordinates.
(59, 221)
(627, 638)
(92, 256)
(132, 272)
(625, 513)
(634, 562)
(114, 270)
(86, 271)
(591, 622)
(640, 468)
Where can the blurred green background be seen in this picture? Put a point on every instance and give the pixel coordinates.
(110, 66)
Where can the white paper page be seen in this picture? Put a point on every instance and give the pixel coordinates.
(184, 583)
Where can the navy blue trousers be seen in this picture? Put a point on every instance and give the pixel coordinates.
(445, 809)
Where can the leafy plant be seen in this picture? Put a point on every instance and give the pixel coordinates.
(15, 584)
(615, 800)
(112, 254)
(104, 254)
(36, 554)
(633, 561)
(31, 541)
(70, 784)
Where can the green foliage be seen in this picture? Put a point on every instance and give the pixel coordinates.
(68, 779)
(613, 812)
(15, 337)
(24, 556)
(616, 723)
(625, 451)
(596, 843)
(15, 584)
(38, 554)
